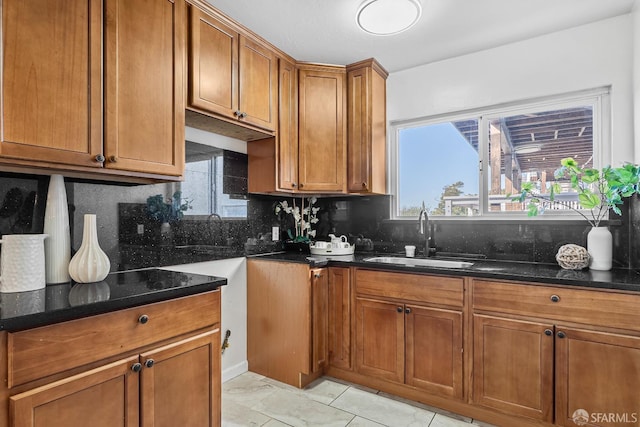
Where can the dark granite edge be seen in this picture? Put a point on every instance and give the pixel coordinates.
(524, 272)
(34, 320)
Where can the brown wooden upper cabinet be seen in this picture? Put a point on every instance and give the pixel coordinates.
(331, 134)
(366, 128)
(56, 114)
(232, 75)
(321, 128)
(308, 155)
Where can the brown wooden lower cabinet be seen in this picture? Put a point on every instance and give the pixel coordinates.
(286, 320)
(513, 366)
(174, 381)
(409, 330)
(598, 372)
(339, 319)
(103, 397)
(380, 339)
(533, 357)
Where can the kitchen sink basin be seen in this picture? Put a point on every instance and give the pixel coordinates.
(419, 262)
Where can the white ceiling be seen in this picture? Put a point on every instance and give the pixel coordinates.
(325, 31)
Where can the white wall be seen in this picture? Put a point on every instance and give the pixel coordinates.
(585, 57)
(234, 309)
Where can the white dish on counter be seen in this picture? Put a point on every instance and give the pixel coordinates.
(332, 251)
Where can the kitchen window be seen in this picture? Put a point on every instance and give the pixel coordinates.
(470, 164)
(215, 182)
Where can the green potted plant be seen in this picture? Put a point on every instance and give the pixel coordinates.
(166, 212)
(599, 191)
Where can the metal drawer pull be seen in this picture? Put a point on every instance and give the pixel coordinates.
(143, 319)
(136, 367)
(149, 363)
(555, 298)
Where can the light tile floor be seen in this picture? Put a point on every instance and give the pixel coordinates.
(254, 400)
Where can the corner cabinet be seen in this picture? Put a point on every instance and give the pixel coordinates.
(52, 107)
(232, 75)
(309, 153)
(133, 369)
(366, 128)
(286, 320)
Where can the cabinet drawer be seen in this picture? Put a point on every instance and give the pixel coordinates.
(559, 303)
(39, 352)
(411, 287)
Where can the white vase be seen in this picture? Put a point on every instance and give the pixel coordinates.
(57, 248)
(600, 248)
(90, 264)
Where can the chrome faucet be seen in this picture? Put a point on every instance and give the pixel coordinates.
(424, 229)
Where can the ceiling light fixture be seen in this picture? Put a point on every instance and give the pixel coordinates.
(387, 17)
(527, 148)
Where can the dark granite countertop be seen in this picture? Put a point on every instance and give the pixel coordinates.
(120, 290)
(616, 279)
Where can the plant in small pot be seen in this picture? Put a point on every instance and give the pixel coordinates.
(599, 191)
(298, 221)
(166, 212)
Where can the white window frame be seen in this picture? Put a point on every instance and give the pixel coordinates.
(598, 99)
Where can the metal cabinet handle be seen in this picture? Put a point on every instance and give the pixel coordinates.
(399, 310)
(237, 113)
(143, 319)
(136, 367)
(149, 363)
(548, 332)
(561, 334)
(99, 158)
(301, 185)
(555, 298)
(407, 310)
(317, 275)
(243, 115)
(113, 159)
(364, 185)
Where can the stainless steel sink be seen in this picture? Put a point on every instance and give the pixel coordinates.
(419, 262)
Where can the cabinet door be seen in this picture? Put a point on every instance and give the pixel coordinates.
(103, 397)
(380, 339)
(213, 64)
(319, 302)
(434, 350)
(180, 383)
(287, 161)
(599, 373)
(339, 318)
(367, 130)
(51, 106)
(322, 133)
(258, 84)
(144, 105)
(279, 320)
(513, 366)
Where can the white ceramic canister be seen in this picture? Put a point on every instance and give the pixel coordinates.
(22, 264)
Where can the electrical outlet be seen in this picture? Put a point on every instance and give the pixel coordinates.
(275, 233)
(140, 228)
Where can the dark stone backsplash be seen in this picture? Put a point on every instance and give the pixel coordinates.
(132, 240)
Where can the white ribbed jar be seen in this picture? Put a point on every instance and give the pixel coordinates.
(90, 264)
(57, 248)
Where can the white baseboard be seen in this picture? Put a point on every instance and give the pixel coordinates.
(235, 370)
